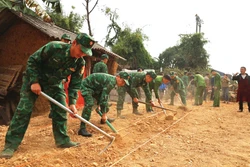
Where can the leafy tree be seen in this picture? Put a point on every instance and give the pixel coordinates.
(189, 54)
(130, 46)
(192, 50)
(73, 22)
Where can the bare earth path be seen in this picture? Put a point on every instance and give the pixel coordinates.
(202, 136)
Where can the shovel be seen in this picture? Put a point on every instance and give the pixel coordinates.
(112, 138)
(157, 106)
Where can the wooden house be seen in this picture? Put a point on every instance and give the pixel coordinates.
(20, 36)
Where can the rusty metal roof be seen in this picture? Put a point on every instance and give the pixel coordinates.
(8, 17)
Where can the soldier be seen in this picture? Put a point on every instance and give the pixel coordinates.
(136, 80)
(101, 67)
(66, 38)
(177, 87)
(98, 86)
(207, 82)
(185, 79)
(46, 68)
(200, 87)
(154, 85)
(217, 87)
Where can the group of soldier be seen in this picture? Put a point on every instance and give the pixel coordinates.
(49, 67)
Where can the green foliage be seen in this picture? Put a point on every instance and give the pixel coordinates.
(190, 53)
(54, 4)
(127, 43)
(73, 22)
(130, 46)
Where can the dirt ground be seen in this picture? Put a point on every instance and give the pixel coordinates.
(201, 136)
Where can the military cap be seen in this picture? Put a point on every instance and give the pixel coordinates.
(124, 75)
(104, 56)
(172, 73)
(66, 36)
(152, 74)
(86, 41)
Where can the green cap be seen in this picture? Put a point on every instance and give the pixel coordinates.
(86, 41)
(125, 76)
(152, 74)
(172, 73)
(105, 56)
(66, 36)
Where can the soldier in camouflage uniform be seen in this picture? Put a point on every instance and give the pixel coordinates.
(101, 67)
(178, 88)
(217, 87)
(97, 87)
(136, 80)
(200, 88)
(154, 85)
(46, 68)
(66, 38)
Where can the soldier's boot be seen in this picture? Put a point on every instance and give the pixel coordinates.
(136, 112)
(84, 132)
(109, 119)
(7, 153)
(119, 114)
(69, 144)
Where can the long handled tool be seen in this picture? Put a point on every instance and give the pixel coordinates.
(163, 109)
(107, 122)
(157, 106)
(80, 118)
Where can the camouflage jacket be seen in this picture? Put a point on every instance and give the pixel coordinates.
(199, 80)
(155, 84)
(100, 67)
(138, 80)
(99, 84)
(177, 84)
(51, 64)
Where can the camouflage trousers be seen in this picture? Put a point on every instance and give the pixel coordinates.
(121, 97)
(21, 118)
(148, 107)
(216, 98)
(199, 95)
(182, 94)
(89, 101)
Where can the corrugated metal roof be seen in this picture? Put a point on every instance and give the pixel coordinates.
(7, 18)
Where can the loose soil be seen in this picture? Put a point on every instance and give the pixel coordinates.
(201, 136)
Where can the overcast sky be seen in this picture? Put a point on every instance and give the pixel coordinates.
(226, 25)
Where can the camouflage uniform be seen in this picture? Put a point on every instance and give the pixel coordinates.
(217, 87)
(100, 67)
(178, 87)
(136, 80)
(200, 87)
(48, 66)
(96, 86)
(154, 85)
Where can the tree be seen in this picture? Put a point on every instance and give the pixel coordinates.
(112, 28)
(73, 22)
(190, 53)
(88, 12)
(130, 46)
(192, 50)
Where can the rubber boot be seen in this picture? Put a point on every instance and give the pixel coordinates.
(69, 144)
(119, 114)
(7, 153)
(84, 132)
(136, 112)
